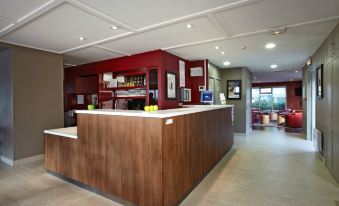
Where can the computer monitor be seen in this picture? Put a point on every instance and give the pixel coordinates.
(206, 97)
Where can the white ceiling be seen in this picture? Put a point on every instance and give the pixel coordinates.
(56, 25)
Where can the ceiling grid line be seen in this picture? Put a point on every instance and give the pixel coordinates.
(112, 50)
(36, 13)
(101, 15)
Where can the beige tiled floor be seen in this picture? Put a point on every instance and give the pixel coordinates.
(266, 168)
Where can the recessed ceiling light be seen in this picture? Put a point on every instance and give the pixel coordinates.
(223, 53)
(216, 47)
(274, 66)
(81, 38)
(227, 63)
(243, 47)
(270, 46)
(296, 71)
(277, 31)
(188, 26)
(114, 27)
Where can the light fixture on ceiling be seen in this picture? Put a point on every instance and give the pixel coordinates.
(291, 80)
(81, 38)
(223, 53)
(296, 71)
(188, 26)
(274, 66)
(254, 77)
(113, 27)
(277, 31)
(309, 61)
(243, 47)
(227, 63)
(270, 45)
(216, 47)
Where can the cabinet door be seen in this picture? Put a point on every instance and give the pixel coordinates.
(329, 47)
(335, 116)
(336, 41)
(328, 128)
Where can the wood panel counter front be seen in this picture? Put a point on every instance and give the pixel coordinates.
(148, 161)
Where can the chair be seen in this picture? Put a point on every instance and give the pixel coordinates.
(265, 119)
(274, 116)
(294, 120)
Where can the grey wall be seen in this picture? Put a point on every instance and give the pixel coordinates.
(327, 109)
(37, 98)
(214, 74)
(6, 104)
(242, 108)
(214, 71)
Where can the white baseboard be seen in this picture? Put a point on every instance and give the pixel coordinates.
(29, 159)
(7, 161)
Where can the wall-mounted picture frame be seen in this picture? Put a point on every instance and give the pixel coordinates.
(171, 86)
(233, 89)
(320, 83)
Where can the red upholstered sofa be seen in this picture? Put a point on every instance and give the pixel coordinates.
(294, 120)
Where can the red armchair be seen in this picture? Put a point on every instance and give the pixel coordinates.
(294, 120)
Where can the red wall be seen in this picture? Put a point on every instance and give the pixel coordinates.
(162, 60)
(293, 102)
(170, 63)
(143, 60)
(194, 82)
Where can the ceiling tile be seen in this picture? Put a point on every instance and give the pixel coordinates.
(139, 14)
(168, 36)
(15, 9)
(276, 13)
(88, 55)
(261, 77)
(60, 28)
(293, 49)
(4, 22)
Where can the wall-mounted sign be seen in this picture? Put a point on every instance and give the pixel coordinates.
(196, 72)
(233, 89)
(181, 73)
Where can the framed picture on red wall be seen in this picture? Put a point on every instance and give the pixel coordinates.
(320, 92)
(171, 89)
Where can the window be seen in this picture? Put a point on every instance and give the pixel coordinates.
(269, 98)
(265, 90)
(255, 98)
(279, 98)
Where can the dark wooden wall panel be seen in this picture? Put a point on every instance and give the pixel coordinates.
(192, 146)
(115, 154)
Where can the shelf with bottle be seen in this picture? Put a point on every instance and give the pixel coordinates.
(131, 93)
(131, 97)
(130, 87)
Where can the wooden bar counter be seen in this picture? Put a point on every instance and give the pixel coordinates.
(148, 159)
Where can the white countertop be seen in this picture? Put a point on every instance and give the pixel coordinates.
(70, 132)
(187, 109)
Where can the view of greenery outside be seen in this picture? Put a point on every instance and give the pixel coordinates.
(266, 102)
(255, 98)
(276, 100)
